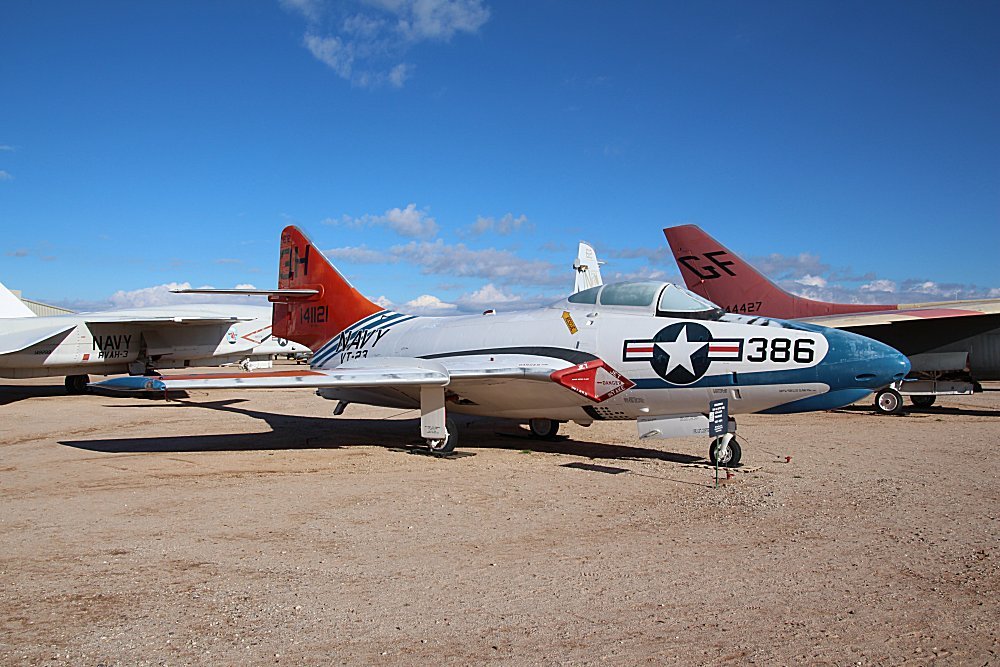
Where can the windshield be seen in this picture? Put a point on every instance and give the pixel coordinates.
(629, 294)
(678, 302)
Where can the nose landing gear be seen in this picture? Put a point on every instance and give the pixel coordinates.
(725, 451)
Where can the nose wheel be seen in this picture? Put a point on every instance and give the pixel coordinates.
(725, 451)
(888, 402)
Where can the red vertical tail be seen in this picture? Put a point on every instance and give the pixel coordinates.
(716, 273)
(315, 319)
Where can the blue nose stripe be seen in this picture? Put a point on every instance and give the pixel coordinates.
(858, 362)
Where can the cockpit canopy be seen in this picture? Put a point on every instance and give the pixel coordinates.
(669, 299)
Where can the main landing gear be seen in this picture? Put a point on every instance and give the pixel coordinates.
(77, 384)
(545, 429)
(446, 445)
(725, 451)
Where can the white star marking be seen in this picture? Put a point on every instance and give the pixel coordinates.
(680, 352)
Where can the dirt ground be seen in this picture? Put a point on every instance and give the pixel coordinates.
(256, 528)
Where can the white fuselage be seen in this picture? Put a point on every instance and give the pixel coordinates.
(757, 365)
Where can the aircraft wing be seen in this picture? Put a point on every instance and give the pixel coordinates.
(910, 312)
(514, 377)
(388, 371)
(21, 338)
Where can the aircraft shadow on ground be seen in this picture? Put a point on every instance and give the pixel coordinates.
(290, 432)
(12, 393)
(931, 411)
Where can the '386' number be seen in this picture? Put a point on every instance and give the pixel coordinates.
(781, 350)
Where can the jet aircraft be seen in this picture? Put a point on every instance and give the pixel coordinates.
(138, 341)
(648, 351)
(952, 345)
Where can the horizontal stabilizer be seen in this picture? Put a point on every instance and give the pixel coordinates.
(23, 338)
(116, 317)
(252, 292)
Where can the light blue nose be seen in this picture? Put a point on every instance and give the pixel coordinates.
(854, 367)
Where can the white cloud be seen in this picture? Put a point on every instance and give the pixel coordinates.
(359, 255)
(20, 252)
(879, 286)
(488, 295)
(161, 295)
(383, 302)
(332, 52)
(410, 221)
(811, 281)
(436, 19)
(461, 261)
(5, 175)
(6, 148)
(508, 224)
(399, 74)
(427, 304)
(311, 10)
(365, 43)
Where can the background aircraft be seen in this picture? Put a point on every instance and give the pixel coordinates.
(11, 306)
(952, 345)
(137, 341)
(587, 267)
(648, 351)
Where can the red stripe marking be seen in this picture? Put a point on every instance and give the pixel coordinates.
(632, 348)
(724, 348)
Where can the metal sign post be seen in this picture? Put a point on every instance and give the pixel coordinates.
(718, 425)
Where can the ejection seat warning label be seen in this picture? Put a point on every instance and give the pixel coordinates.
(718, 417)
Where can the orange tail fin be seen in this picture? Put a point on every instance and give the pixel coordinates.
(315, 319)
(716, 273)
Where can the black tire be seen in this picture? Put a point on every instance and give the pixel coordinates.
(923, 401)
(446, 445)
(77, 384)
(888, 402)
(546, 429)
(729, 458)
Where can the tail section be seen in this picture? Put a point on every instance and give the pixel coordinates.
(716, 273)
(314, 319)
(11, 306)
(588, 268)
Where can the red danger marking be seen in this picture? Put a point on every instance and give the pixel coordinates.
(593, 379)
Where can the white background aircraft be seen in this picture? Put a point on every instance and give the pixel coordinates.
(137, 341)
(648, 351)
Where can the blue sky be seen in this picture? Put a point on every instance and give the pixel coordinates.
(449, 154)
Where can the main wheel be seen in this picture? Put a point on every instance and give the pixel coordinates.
(888, 402)
(77, 384)
(923, 401)
(445, 445)
(725, 451)
(544, 428)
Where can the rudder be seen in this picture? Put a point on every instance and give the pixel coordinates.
(314, 319)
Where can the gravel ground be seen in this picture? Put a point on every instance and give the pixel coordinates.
(255, 528)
